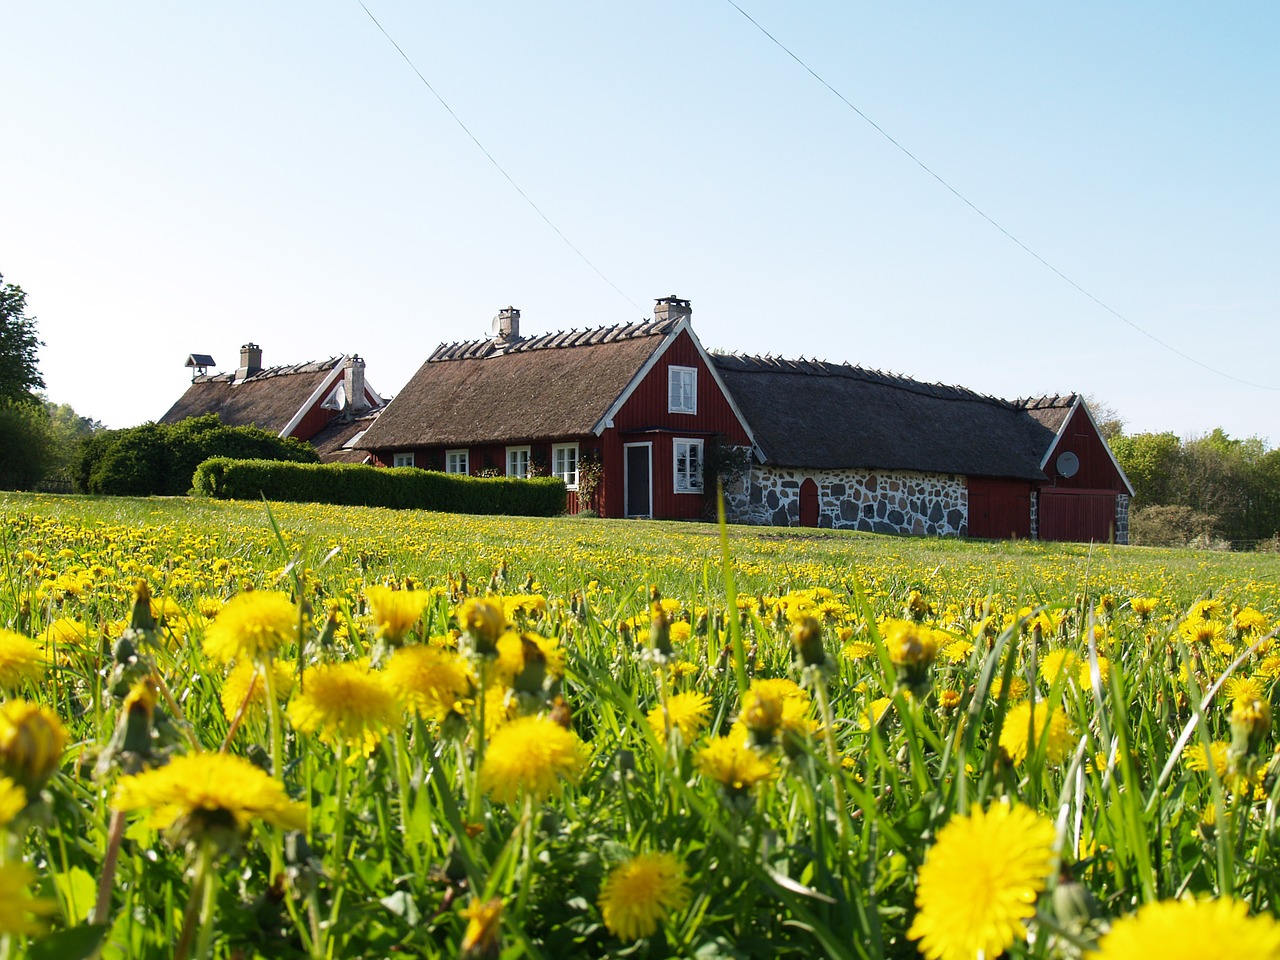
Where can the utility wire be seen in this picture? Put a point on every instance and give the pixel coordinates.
(497, 166)
(976, 209)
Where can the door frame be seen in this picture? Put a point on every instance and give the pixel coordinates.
(626, 479)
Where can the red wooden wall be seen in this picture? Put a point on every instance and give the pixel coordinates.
(644, 419)
(1083, 516)
(999, 509)
(1097, 471)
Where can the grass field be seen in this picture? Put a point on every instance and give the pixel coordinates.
(335, 732)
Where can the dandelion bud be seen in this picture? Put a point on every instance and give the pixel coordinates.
(484, 622)
(1073, 905)
(660, 630)
(482, 940)
(142, 618)
(949, 700)
(32, 739)
(761, 714)
(806, 638)
(1250, 724)
(534, 672)
(912, 649)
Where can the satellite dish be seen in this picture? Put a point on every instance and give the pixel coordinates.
(495, 326)
(1067, 464)
(337, 399)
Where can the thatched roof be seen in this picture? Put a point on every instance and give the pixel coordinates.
(268, 399)
(809, 413)
(341, 440)
(540, 388)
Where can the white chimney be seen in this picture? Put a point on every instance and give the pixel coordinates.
(353, 384)
(506, 325)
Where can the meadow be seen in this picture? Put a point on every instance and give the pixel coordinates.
(236, 731)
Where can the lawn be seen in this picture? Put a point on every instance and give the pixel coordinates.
(337, 732)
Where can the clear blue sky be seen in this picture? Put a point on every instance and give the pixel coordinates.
(182, 178)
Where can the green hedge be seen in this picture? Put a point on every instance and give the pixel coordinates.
(348, 484)
(158, 458)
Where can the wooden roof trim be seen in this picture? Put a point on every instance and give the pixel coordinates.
(1079, 404)
(725, 391)
(325, 385)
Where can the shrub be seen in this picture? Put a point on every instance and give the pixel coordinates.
(159, 459)
(1172, 526)
(346, 484)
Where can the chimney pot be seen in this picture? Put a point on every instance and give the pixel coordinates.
(506, 325)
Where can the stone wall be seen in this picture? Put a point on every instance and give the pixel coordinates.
(923, 504)
(1122, 518)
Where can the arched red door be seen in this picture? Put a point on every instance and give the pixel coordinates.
(809, 503)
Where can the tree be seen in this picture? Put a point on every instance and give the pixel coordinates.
(1149, 461)
(1110, 423)
(19, 371)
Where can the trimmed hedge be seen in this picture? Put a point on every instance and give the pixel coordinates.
(347, 484)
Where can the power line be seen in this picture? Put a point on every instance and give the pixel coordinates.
(980, 212)
(497, 166)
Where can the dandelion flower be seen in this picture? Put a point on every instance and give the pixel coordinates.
(533, 755)
(21, 658)
(396, 611)
(251, 626)
(686, 712)
(641, 893)
(13, 800)
(484, 928)
(1023, 731)
(979, 882)
(17, 906)
(735, 765)
(247, 674)
(346, 702)
(208, 791)
(1055, 662)
(32, 739)
(1191, 930)
(430, 680)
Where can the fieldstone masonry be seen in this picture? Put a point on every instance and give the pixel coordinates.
(923, 504)
(1122, 518)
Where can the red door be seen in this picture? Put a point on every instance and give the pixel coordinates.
(809, 503)
(999, 509)
(1083, 516)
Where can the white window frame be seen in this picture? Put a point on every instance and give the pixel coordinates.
(686, 483)
(402, 459)
(514, 466)
(678, 401)
(570, 477)
(457, 461)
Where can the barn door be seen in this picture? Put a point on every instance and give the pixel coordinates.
(809, 503)
(638, 479)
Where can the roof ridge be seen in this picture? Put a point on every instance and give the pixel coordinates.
(941, 391)
(556, 340)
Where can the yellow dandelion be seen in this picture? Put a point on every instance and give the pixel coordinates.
(13, 800)
(1191, 930)
(958, 650)
(19, 911)
(1017, 687)
(1243, 690)
(764, 705)
(1249, 621)
(396, 611)
(1024, 729)
(533, 756)
(206, 792)
(979, 882)
(733, 764)
(346, 703)
(875, 711)
(1197, 630)
(640, 894)
(858, 650)
(1143, 606)
(247, 676)
(32, 739)
(484, 621)
(1205, 609)
(1056, 662)
(251, 626)
(949, 699)
(1195, 757)
(686, 713)
(21, 658)
(431, 681)
(484, 929)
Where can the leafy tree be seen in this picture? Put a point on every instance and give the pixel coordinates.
(26, 444)
(1149, 461)
(1110, 423)
(19, 372)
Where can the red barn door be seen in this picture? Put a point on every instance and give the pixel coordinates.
(999, 509)
(1083, 516)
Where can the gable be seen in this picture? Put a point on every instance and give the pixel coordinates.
(1098, 468)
